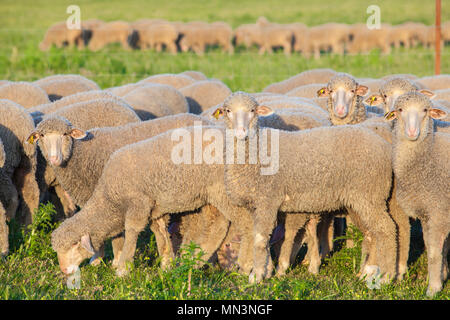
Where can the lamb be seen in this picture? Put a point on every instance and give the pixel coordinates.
(20, 162)
(196, 75)
(303, 78)
(24, 93)
(421, 167)
(46, 108)
(111, 32)
(300, 187)
(58, 89)
(88, 114)
(116, 207)
(175, 80)
(204, 94)
(156, 100)
(59, 35)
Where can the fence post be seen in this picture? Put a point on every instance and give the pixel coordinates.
(437, 64)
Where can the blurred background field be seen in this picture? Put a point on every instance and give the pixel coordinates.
(31, 270)
(24, 24)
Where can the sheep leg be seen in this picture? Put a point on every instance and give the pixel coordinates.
(136, 218)
(349, 242)
(325, 232)
(117, 246)
(159, 228)
(264, 223)
(4, 232)
(313, 245)
(24, 178)
(67, 203)
(434, 242)
(404, 233)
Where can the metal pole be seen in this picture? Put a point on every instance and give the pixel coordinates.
(437, 65)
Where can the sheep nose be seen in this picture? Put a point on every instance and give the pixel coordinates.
(53, 159)
(340, 110)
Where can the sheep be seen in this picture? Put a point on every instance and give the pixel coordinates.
(300, 186)
(298, 30)
(196, 75)
(295, 103)
(364, 39)
(24, 93)
(118, 206)
(21, 163)
(303, 78)
(306, 91)
(204, 94)
(88, 27)
(68, 100)
(175, 80)
(198, 36)
(75, 165)
(443, 94)
(421, 167)
(156, 100)
(59, 35)
(248, 35)
(156, 35)
(436, 82)
(120, 91)
(111, 32)
(276, 36)
(58, 89)
(89, 114)
(87, 82)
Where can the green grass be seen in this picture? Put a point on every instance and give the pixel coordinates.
(31, 269)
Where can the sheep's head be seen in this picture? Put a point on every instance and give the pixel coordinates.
(54, 135)
(391, 90)
(342, 91)
(241, 112)
(228, 253)
(414, 113)
(71, 255)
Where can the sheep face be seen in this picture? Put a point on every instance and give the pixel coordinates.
(241, 113)
(414, 112)
(342, 92)
(228, 253)
(55, 136)
(391, 90)
(70, 259)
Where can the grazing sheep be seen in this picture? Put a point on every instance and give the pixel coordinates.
(20, 164)
(156, 35)
(276, 36)
(421, 167)
(248, 35)
(68, 100)
(156, 100)
(59, 35)
(175, 80)
(299, 186)
(202, 95)
(152, 183)
(111, 32)
(197, 36)
(326, 37)
(24, 93)
(364, 39)
(303, 78)
(88, 27)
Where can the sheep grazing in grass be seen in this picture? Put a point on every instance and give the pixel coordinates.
(24, 93)
(202, 95)
(421, 167)
(156, 100)
(20, 162)
(364, 40)
(175, 80)
(248, 35)
(59, 35)
(117, 206)
(276, 36)
(156, 35)
(306, 77)
(88, 27)
(197, 36)
(111, 32)
(329, 164)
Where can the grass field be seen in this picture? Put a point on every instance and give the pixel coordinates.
(31, 270)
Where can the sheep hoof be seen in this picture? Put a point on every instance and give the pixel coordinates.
(95, 262)
(121, 272)
(433, 289)
(254, 277)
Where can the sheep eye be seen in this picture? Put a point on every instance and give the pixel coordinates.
(425, 110)
(253, 110)
(385, 96)
(353, 91)
(228, 110)
(400, 110)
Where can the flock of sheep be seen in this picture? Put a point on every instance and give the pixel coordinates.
(105, 158)
(196, 36)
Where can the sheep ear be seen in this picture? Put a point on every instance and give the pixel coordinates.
(391, 115)
(362, 90)
(374, 100)
(263, 111)
(436, 113)
(428, 93)
(323, 92)
(77, 133)
(86, 243)
(218, 112)
(34, 136)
